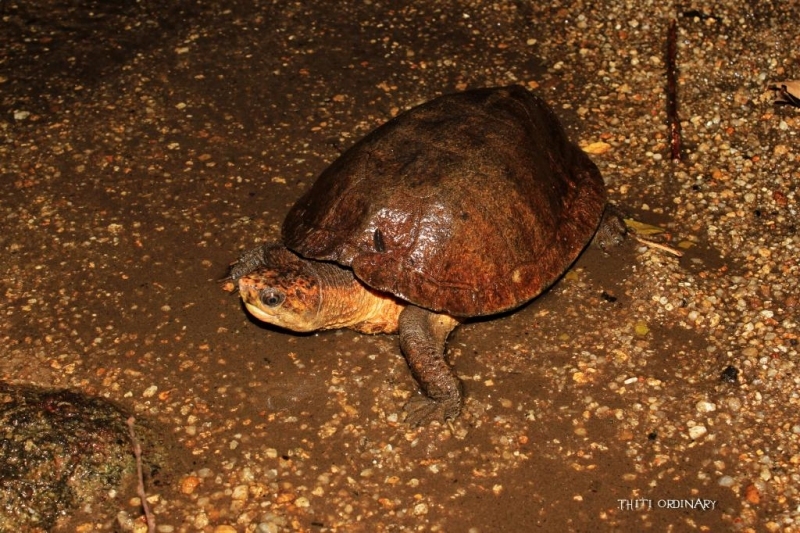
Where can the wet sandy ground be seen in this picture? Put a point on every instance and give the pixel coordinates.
(143, 147)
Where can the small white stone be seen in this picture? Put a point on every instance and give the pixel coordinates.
(734, 404)
(240, 492)
(697, 431)
(302, 501)
(704, 406)
(421, 509)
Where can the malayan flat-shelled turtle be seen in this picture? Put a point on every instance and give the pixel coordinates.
(468, 205)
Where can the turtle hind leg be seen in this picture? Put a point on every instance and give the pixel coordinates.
(423, 335)
(612, 229)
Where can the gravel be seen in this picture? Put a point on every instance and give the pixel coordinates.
(145, 147)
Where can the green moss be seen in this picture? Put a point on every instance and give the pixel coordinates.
(58, 449)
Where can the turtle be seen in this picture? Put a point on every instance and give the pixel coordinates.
(468, 205)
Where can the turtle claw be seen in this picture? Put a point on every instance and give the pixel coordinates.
(422, 410)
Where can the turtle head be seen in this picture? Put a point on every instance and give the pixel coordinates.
(283, 290)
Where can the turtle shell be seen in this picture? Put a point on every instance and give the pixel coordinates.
(470, 204)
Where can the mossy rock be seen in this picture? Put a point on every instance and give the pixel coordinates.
(60, 450)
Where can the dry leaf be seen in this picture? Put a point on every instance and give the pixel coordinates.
(597, 148)
(643, 229)
(787, 92)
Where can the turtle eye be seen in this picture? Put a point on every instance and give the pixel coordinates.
(272, 297)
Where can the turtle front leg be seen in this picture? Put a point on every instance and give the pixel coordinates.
(248, 262)
(423, 335)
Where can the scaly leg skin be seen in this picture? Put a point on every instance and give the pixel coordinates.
(423, 335)
(247, 262)
(612, 229)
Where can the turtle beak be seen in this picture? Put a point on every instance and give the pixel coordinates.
(283, 316)
(258, 313)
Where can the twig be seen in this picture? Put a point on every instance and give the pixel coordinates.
(657, 245)
(673, 121)
(137, 452)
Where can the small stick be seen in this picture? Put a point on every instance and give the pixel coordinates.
(137, 452)
(673, 121)
(657, 245)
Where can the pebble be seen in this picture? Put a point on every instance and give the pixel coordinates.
(705, 406)
(734, 404)
(695, 432)
(752, 494)
(189, 483)
(421, 509)
(302, 502)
